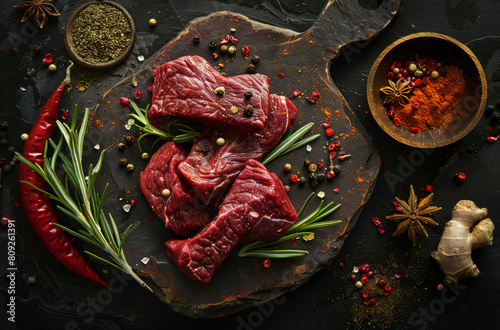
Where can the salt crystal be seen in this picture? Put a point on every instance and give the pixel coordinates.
(309, 237)
(131, 121)
(128, 127)
(140, 58)
(145, 260)
(97, 147)
(23, 89)
(355, 269)
(127, 207)
(321, 194)
(308, 148)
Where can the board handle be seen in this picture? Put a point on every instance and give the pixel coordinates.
(345, 22)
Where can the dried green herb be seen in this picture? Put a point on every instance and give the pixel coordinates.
(100, 33)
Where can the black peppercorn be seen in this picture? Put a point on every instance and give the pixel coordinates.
(123, 161)
(11, 149)
(495, 118)
(313, 176)
(4, 125)
(337, 168)
(302, 180)
(196, 39)
(321, 176)
(7, 168)
(307, 162)
(12, 163)
(205, 148)
(213, 44)
(255, 59)
(248, 110)
(251, 68)
(3, 135)
(489, 110)
(36, 49)
(248, 95)
(121, 146)
(128, 139)
(314, 183)
(4, 141)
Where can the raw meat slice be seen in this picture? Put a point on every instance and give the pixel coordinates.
(181, 211)
(209, 169)
(255, 195)
(185, 88)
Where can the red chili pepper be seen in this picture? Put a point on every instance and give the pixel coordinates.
(396, 121)
(151, 217)
(245, 50)
(491, 139)
(329, 132)
(414, 129)
(369, 273)
(387, 288)
(382, 282)
(395, 203)
(281, 75)
(331, 146)
(132, 203)
(296, 93)
(294, 178)
(376, 221)
(399, 209)
(490, 128)
(292, 240)
(429, 188)
(372, 302)
(326, 124)
(267, 263)
(336, 190)
(5, 221)
(315, 95)
(364, 268)
(460, 177)
(333, 154)
(320, 165)
(37, 205)
(47, 59)
(341, 264)
(381, 229)
(137, 94)
(65, 112)
(364, 278)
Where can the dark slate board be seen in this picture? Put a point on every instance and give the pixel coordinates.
(304, 61)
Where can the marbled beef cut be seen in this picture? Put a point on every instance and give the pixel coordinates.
(181, 211)
(256, 196)
(185, 88)
(209, 169)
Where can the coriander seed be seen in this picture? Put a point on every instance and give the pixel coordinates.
(220, 141)
(231, 50)
(248, 95)
(152, 22)
(223, 48)
(52, 68)
(130, 167)
(145, 156)
(24, 137)
(287, 167)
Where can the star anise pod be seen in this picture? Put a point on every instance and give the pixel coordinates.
(396, 91)
(38, 8)
(414, 216)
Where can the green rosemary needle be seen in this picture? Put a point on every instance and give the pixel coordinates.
(77, 197)
(300, 228)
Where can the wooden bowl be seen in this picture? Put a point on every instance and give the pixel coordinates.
(100, 66)
(444, 49)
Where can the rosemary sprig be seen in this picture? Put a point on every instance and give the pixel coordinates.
(289, 144)
(77, 196)
(300, 228)
(141, 116)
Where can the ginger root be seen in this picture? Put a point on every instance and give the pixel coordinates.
(460, 237)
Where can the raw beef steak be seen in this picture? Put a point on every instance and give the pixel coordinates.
(255, 195)
(186, 89)
(181, 211)
(209, 169)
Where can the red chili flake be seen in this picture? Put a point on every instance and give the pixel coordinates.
(341, 265)
(225, 40)
(281, 75)
(294, 178)
(341, 153)
(233, 39)
(359, 243)
(245, 50)
(429, 188)
(392, 114)
(336, 190)
(47, 59)
(414, 129)
(326, 124)
(292, 240)
(490, 128)
(296, 93)
(376, 221)
(397, 276)
(364, 278)
(331, 146)
(132, 202)
(1, 49)
(310, 99)
(333, 154)
(16, 204)
(73, 239)
(460, 177)
(124, 101)
(133, 139)
(5, 221)
(267, 263)
(320, 165)
(395, 204)
(151, 217)
(315, 95)
(372, 302)
(399, 209)
(137, 94)
(491, 139)
(329, 132)
(390, 75)
(64, 115)
(381, 229)
(366, 294)
(150, 88)
(337, 144)
(396, 121)
(387, 288)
